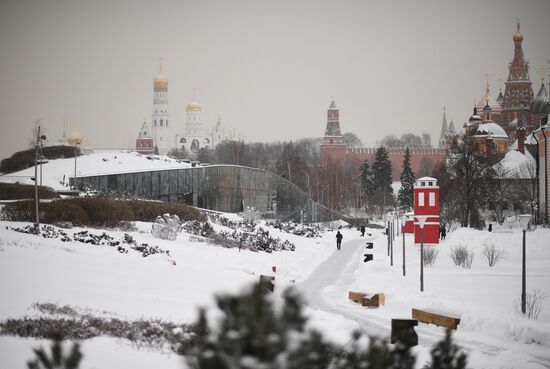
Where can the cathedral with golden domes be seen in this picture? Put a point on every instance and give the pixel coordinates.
(162, 136)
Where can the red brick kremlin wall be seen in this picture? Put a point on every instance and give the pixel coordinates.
(427, 158)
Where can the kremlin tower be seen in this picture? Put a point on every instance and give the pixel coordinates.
(518, 91)
(159, 119)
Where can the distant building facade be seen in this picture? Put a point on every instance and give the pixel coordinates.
(166, 136)
(334, 151)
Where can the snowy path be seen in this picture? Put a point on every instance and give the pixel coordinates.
(327, 288)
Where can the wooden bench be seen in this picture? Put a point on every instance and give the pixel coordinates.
(435, 317)
(368, 300)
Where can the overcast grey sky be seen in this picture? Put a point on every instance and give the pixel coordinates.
(268, 68)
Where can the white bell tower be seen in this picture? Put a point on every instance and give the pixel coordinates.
(160, 128)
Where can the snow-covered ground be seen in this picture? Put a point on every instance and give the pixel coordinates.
(33, 269)
(56, 173)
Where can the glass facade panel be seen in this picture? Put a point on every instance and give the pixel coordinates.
(164, 183)
(146, 182)
(155, 185)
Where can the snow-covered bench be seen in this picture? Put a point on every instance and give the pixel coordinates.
(438, 318)
(369, 300)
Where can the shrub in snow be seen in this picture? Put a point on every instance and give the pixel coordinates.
(58, 359)
(492, 253)
(259, 240)
(310, 231)
(103, 239)
(70, 323)
(247, 225)
(198, 228)
(430, 255)
(166, 227)
(533, 304)
(462, 256)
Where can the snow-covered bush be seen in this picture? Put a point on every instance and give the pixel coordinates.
(492, 253)
(259, 240)
(533, 304)
(430, 255)
(462, 256)
(245, 224)
(166, 227)
(198, 228)
(309, 231)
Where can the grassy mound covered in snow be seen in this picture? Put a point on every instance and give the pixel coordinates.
(98, 211)
(16, 191)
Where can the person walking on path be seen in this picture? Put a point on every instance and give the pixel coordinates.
(339, 240)
(363, 231)
(443, 232)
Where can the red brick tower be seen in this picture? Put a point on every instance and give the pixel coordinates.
(518, 92)
(426, 202)
(333, 147)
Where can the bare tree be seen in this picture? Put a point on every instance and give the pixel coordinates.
(469, 190)
(351, 139)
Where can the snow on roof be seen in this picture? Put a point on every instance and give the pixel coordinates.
(426, 179)
(57, 172)
(516, 165)
(490, 128)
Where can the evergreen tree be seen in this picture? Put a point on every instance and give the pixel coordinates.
(447, 355)
(405, 198)
(382, 178)
(367, 185)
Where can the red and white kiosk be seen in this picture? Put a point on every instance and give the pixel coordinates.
(426, 202)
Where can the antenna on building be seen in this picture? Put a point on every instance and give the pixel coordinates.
(500, 85)
(194, 94)
(161, 66)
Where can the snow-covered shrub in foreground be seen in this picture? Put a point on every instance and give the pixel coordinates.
(492, 253)
(58, 358)
(166, 227)
(462, 256)
(256, 332)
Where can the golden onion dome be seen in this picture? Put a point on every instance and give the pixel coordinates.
(74, 138)
(160, 82)
(194, 106)
(518, 36)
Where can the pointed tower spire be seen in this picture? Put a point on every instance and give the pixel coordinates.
(518, 88)
(333, 134)
(442, 140)
(500, 98)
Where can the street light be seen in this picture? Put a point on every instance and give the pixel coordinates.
(524, 221)
(37, 146)
(421, 220)
(391, 242)
(403, 220)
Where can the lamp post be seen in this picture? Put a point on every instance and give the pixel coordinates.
(391, 242)
(37, 146)
(524, 221)
(403, 220)
(421, 221)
